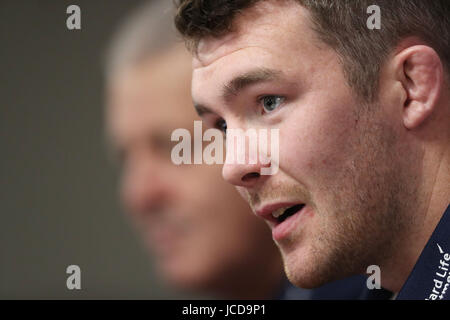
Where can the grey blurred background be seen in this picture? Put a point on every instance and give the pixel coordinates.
(58, 191)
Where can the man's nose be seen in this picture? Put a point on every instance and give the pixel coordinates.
(246, 164)
(243, 175)
(248, 171)
(144, 190)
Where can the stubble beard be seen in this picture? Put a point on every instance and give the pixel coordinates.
(366, 212)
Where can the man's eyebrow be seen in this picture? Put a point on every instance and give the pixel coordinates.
(247, 79)
(241, 82)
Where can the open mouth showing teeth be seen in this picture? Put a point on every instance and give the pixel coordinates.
(284, 213)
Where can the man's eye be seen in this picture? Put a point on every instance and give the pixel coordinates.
(270, 103)
(221, 125)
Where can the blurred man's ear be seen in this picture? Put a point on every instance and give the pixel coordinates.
(420, 71)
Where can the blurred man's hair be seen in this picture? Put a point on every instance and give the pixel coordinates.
(341, 24)
(147, 30)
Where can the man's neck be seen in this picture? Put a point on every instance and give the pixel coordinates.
(396, 270)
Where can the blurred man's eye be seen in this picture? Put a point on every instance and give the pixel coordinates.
(162, 146)
(271, 102)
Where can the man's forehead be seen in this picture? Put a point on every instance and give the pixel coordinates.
(266, 21)
(211, 49)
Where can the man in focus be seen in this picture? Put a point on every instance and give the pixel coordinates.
(364, 123)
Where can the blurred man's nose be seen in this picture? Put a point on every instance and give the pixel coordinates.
(143, 188)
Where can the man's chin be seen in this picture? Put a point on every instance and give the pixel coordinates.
(305, 270)
(179, 277)
(305, 279)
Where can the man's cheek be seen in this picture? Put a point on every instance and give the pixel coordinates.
(312, 158)
(298, 154)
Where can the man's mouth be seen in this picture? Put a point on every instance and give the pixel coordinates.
(283, 217)
(282, 214)
(279, 212)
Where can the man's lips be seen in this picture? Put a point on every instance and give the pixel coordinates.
(266, 211)
(283, 217)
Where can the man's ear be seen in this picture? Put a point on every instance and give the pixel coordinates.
(420, 71)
